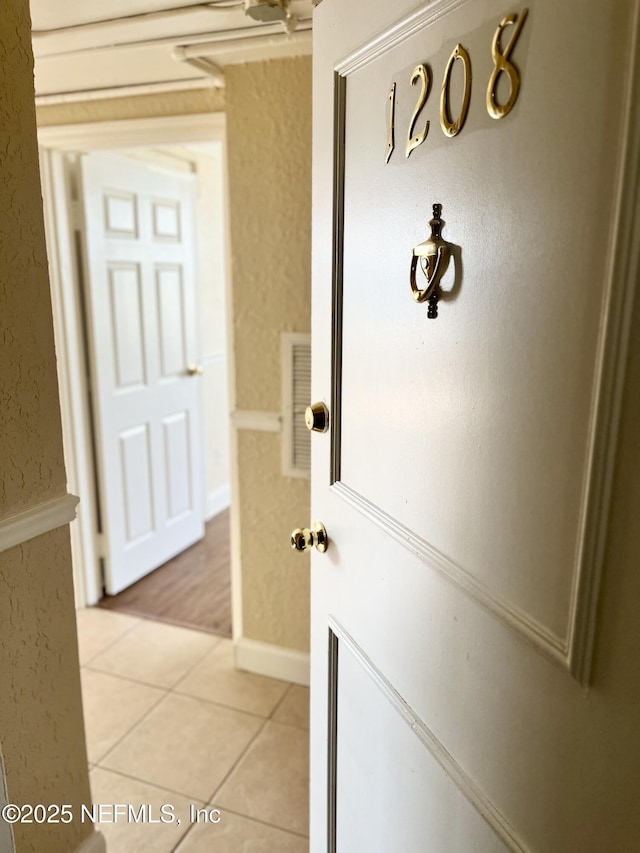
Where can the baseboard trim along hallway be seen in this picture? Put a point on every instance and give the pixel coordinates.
(273, 661)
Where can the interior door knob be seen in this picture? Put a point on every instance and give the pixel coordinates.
(302, 539)
(316, 417)
(195, 370)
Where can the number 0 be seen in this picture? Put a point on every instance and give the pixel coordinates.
(450, 127)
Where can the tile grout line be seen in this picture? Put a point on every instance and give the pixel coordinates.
(261, 821)
(134, 614)
(129, 731)
(226, 776)
(168, 688)
(217, 641)
(109, 645)
(246, 749)
(192, 800)
(219, 704)
(280, 701)
(165, 690)
(216, 790)
(163, 788)
(269, 719)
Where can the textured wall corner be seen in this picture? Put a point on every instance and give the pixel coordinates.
(31, 463)
(269, 151)
(40, 708)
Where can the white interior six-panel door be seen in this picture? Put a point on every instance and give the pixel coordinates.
(141, 296)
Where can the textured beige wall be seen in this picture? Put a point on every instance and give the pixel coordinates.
(31, 464)
(40, 712)
(275, 579)
(138, 106)
(40, 705)
(269, 151)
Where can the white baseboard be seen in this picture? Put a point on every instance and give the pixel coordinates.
(274, 661)
(95, 843)
(218, 501)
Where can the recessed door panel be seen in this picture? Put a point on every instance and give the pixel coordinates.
(120, 214)
(170, 296)
(492, 400)
(178, 459)
(380, 742)
(166, 220)
(137, 483)
(126, 321)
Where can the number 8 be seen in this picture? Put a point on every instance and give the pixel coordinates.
(502, 64)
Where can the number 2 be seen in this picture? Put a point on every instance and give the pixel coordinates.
(420, 72)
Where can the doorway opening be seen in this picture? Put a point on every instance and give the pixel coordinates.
(136, 218)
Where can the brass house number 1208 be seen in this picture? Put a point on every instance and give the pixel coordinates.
(452, 126)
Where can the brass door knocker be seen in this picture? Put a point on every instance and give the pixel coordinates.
(433, 257)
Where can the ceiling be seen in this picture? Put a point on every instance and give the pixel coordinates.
(89, 48)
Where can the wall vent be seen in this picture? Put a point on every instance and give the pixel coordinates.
(296, 396)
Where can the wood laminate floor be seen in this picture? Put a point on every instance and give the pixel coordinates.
(192, 590)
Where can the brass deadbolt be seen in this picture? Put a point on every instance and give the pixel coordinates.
(302, 539)
(316, 417)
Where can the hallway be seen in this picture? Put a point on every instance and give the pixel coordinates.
(170, 721)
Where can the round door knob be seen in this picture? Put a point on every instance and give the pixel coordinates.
(195, 370)
(316, 417)
(302, 538)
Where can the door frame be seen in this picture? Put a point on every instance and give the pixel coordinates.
(60, 217)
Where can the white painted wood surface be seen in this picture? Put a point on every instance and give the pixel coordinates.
(469, 513)
(272, 661)
(56, 171)
(38, 519)
(143, 336)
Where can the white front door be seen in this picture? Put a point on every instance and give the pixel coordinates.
(464, 480)
(141, 306)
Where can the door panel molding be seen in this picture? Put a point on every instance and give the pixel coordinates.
(485, 807)
(532, 630)
(573, 651)
(332, 738)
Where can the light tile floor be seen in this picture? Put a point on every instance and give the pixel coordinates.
(170, 721)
